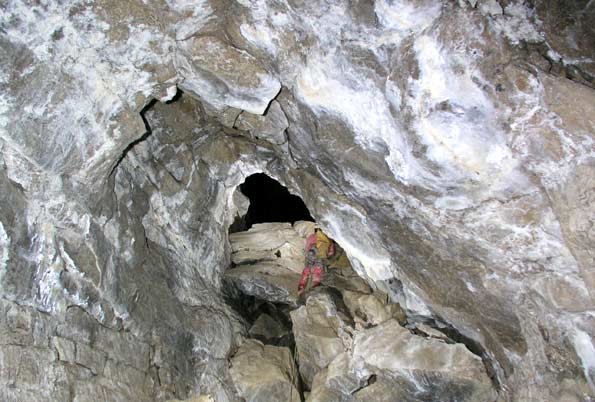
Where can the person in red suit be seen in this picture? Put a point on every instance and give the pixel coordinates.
(319, 248)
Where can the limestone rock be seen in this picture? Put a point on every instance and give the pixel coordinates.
(278, 243)
(223, 75)
(265, 328)
(270, 127)
(437, 370)
(389, 363)
(269, 259)
(337, 382)
(427, 331)
(263, 373)
(322, 332)
(266, 281)
(447, 146)
(371, 309)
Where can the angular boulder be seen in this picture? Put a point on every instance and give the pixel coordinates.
(272, 242)
(369, 309)
(388, 363)
(264, 373)
(265, 281)
(322, 332)
(437, 370)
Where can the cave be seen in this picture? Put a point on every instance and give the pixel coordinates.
(162, 163)
(269, 201)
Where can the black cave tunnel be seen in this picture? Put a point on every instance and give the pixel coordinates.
(271, 202)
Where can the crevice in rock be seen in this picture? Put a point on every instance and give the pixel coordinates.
(175, 98)
(148, 132)
(268, 322)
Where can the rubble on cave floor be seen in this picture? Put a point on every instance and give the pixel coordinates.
(343, 342)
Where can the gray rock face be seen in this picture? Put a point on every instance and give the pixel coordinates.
(223, 75)
(446, 146)
(270, 127)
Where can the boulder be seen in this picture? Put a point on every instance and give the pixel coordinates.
(336, 382)
(267, 329)
(264, 373)
(265, 281)
(271, 242)
(437, 370)
(389, 363)
(322, 331)
(369, 309)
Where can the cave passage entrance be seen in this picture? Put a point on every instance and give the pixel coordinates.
(272, 202)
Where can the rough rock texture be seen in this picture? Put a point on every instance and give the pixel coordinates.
(264, 373)
(321, 333)
(278, 243)
(439, 371)
(369, 309)
(346, 336)
(200, 398)
(447, 146)
(393, 364)
(267, 328)
(269, 259)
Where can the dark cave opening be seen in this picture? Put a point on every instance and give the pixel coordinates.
(271, 202)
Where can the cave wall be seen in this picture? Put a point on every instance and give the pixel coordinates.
(447, 146)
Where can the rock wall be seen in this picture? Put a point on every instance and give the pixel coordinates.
(447, 146)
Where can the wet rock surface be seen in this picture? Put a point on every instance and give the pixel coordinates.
(447, 146)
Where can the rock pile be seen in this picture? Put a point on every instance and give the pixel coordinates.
(351, 343)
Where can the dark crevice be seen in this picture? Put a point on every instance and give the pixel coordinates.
(148, 132)
(369, 381)
(238, 225)
(272, 202)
